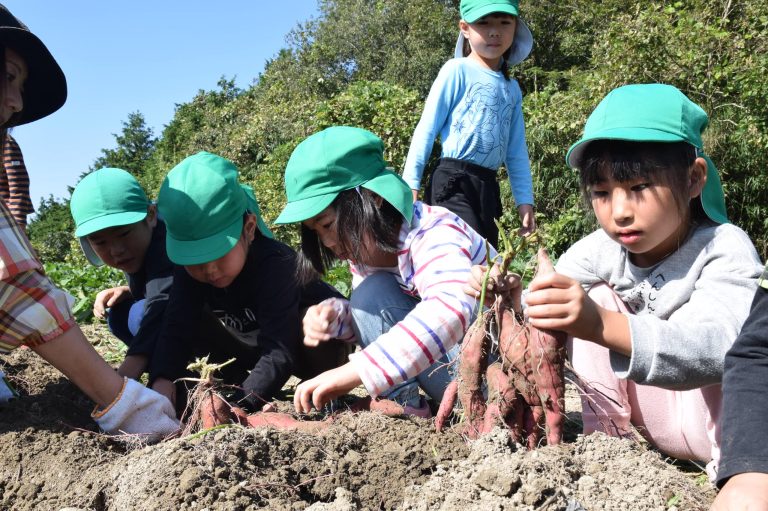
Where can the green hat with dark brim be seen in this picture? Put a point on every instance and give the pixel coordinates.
(336, 159)
(202, 204)
(105, 198)
(653, 113)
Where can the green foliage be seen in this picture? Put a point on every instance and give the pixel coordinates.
(82, 280)
(340, 277)
(52, 229)
(135, 145)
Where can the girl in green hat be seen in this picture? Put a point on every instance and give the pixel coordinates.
(476, 110)
(409, 263)
(656, 296)
(33, 312)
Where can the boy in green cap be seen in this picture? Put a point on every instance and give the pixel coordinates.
(654, 299)
(118, 226)
(235, 291)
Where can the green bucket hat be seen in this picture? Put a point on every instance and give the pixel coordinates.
(202, 204)
(106, 198)
(653, 113)
(473, 10)
(336, 159)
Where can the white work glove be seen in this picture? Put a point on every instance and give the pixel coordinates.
(6, 391)
(138, 410)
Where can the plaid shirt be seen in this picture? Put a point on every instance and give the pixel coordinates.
(32, 309)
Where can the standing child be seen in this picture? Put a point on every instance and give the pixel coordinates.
(654, 299)
(118, 226)
(235, 293)
(409, 262)
(476, 109)
(33, 312)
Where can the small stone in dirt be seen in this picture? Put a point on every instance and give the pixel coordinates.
(502, 485)
(189, 478)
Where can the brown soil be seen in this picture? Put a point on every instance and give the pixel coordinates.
(51, 458)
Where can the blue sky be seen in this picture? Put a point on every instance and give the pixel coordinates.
(121, 56)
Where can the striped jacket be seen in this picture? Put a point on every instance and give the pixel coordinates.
(14, 182)
(437, 251)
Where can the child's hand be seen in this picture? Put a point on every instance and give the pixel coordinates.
(743, 492)
(325, 387)
(109, 297)
(133, 366)
(166, 388)
(557, 302)
(475, 283)
(527, 219)
(317, 324)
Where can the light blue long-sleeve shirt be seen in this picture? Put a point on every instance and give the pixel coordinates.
(479, 116)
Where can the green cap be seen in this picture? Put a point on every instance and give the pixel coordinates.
(473, 10)
(107, 198)
(202, 204)
(336, 159)
(653, 113)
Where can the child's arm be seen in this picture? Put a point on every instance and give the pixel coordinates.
(437, 108)
(518, 164)
(743, 492)
(745, 408)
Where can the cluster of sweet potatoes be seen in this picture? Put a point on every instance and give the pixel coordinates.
(524, 379)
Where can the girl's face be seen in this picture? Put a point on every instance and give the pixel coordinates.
(643, 216)
(490, 37)
(15, 76)
(221, 272)
(125, 246)
(324, 225)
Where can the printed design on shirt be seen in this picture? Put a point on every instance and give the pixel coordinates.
(483, 124)
(644, 296)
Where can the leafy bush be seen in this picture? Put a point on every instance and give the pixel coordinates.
(83, 282)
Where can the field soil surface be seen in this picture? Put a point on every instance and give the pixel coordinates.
(51, 458)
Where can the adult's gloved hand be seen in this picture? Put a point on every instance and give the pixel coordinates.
(138, 410)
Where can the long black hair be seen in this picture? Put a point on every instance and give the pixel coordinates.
(359, 218)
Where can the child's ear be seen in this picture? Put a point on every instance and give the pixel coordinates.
(464, 28)
(151, 216)
(697, 177)
(249, 227)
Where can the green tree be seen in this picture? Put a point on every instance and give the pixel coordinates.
(51, 230)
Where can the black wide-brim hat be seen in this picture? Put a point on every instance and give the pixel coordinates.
(45, 89)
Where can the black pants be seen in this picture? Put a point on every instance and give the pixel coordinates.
(470, 191)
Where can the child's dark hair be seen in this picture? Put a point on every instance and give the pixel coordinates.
(467, 49)
(358, 218)
(665, 162)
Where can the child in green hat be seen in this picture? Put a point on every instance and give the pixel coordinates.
(235, 291)
(409, 262)
(656, 296)
(34, 312)
(117, 225)
(476, 110)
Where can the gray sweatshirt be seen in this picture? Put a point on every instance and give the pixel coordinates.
(688, 308)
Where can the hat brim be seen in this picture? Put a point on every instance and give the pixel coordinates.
(89, 252)
(304, 209)
(576, 151)
(522, 44)
(190, 252)
(485, 10)
(107, 221)
(45, 89)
